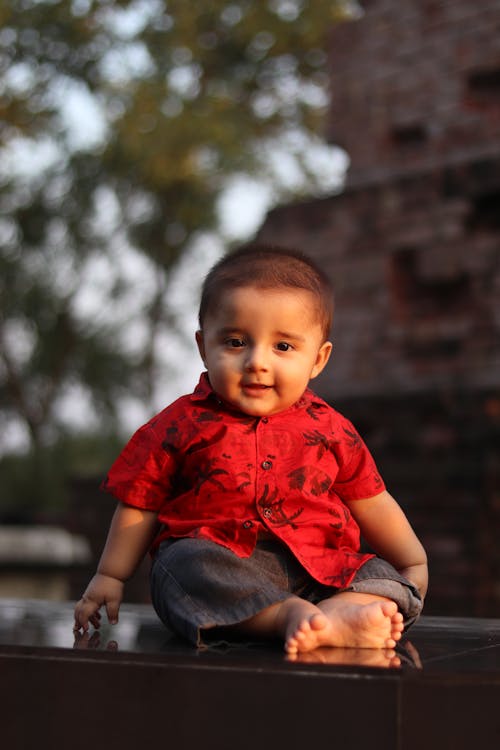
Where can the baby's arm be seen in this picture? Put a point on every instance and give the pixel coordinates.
(386, 529)
(129, 537)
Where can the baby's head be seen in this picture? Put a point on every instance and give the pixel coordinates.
(268, 267)
(265, 315)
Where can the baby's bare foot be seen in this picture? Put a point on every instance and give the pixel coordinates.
(363, 621)
(303, 625)
(307, 633)
(346, 620)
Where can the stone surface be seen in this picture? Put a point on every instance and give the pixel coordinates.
(136, 685)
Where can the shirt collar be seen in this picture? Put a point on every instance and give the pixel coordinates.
(203, 390)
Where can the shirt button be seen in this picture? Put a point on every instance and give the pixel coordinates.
(247, 524)
(267, 512)
(264, 420)
(266, 465)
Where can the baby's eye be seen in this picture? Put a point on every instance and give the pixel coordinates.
(282, 346)
(234, 343)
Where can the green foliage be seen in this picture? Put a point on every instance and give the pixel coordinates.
(34, 485)
(178, 97)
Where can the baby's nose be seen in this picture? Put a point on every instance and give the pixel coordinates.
(256, 359)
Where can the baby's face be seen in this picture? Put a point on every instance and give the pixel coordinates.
(261, 347)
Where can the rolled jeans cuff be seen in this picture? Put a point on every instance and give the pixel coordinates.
(380, 578)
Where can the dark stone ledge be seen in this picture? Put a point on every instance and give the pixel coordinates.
(136, 684)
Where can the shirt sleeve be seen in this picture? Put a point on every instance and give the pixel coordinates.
(142, 474)
(358, 477)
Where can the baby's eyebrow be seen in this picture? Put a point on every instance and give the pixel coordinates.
(290, 336)
(228, 330)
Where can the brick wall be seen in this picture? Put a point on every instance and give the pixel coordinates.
(413, 248)
(419, 80)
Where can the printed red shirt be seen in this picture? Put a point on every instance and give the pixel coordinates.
(219, 474)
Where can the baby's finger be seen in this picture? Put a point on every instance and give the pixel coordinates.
(112, 611)
(95, 619)
(81, 622)
(86, 611)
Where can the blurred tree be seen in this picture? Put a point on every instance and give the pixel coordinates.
(121, 123)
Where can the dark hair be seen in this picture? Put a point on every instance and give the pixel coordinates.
(268, 267)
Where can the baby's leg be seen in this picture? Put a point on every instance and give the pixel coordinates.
(284, 619)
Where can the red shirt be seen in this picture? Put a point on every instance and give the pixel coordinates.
(212, 472)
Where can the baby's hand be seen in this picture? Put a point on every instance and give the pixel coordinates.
(102, 590)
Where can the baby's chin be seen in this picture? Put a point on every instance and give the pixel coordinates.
(258, 407)
(259, 410)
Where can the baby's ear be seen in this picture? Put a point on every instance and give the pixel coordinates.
(201, 345)
(322, 358)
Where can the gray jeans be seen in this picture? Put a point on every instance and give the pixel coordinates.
(197, 585)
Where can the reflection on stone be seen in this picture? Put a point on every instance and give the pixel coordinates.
(360, 657)
(437, 645)
(84, 641)
(35, 622)
(405, 654)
